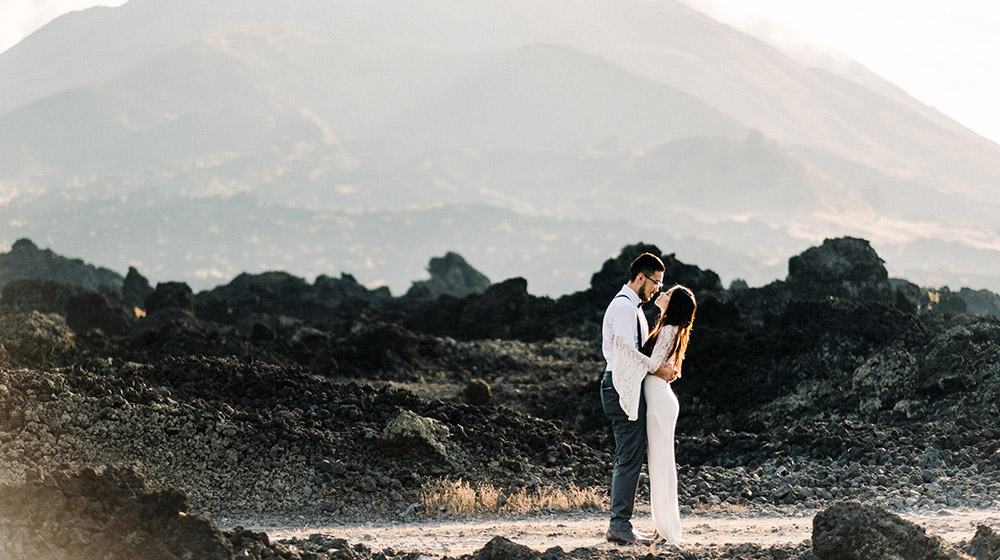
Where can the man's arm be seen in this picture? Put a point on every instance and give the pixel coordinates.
(623, 321)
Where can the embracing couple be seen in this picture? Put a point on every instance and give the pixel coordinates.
(637, 398)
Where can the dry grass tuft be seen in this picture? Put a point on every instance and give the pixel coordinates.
(456, 498)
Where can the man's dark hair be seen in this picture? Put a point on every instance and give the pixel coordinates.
(646, 263)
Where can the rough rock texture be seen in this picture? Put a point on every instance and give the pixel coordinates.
(34, 339)
(504, 310)
(135, 289)
(409, 434)
(500, 548)
(477, 392)
(26, 260)
(171, 295)
(91, 310)
(111, 515)
(853, 531)
(450, 275)
(842, 268)
(985, 545)
(273, 394)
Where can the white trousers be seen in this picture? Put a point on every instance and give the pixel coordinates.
(661, 418)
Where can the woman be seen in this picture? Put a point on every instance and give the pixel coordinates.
(666, 345)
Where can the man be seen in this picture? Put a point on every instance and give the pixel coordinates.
(625, 318)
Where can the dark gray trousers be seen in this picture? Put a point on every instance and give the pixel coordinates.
(630, 452)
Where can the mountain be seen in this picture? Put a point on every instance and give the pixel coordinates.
(633, 117)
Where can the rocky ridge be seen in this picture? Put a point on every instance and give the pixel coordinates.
(329, 400)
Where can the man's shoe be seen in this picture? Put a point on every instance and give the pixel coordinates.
(628, 537)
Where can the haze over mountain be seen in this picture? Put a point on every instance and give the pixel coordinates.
(535, 139)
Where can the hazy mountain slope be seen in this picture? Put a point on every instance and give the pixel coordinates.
(554, 109)
(63, 134)
(734, 73)
(87, 48)
(548, 97)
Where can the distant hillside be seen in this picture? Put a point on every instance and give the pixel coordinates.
(545, 97)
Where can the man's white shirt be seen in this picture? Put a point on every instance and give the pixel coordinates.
(624, 318)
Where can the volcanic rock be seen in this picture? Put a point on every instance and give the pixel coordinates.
(505, 310)
(985, 545)
(450, 275)
(409, 433)
(477, 392)
(85, 514)
(135, 289)
(279, 300)
(171, 295)
(91, 310)
(26, 260)
(34, 339)
(36, 294)
(499, 548)
(841, 268)
(981, 302)
(854, 531)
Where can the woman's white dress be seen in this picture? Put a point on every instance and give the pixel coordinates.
(629, 374)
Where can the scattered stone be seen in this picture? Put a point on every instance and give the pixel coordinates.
(853, 531)
(477, 392)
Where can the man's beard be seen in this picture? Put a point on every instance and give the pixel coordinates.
(643, 294)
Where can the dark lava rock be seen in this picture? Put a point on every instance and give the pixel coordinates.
(91, 310)
(271, 298)
(83, 515)
(477, 392)
(34, 339)
(26, 260)
(614, 272)
(505, 310)
(36, 294)
(408, 434)
(500, 548)
(450, 275)
(985, 545)
(846, 267)
(980, 302)
(135, 289)
(171, 295)
(854, 531)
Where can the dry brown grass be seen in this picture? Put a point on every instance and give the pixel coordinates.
(457, 498)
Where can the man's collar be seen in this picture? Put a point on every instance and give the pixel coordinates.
(632, 296)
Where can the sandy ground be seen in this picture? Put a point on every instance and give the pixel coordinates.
(454, 538)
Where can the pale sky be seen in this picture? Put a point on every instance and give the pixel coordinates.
(946, 53)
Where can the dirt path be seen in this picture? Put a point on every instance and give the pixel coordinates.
(453, 538)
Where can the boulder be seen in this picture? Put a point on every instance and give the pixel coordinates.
(34, 339)
(477, 392)
(409, 433)
(36, 294)
(842, 268)
(91, 310)
(500, 548)
(450, 275)
(614, 272)
(85, 514)
(854, 531)
(135, 289)
(985, 545)
(171, 295)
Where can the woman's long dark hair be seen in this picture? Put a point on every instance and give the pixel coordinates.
(680, 313)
